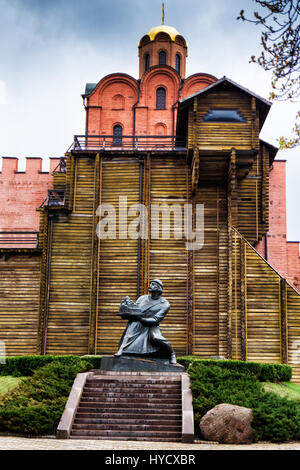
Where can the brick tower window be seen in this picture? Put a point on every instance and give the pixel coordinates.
(160, 98)
(117, 135)
(147, 62)
(162, 58)
(177, 63)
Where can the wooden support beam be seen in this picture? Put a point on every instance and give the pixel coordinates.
(195, 169)
(231, 221)
(93, 260)
(283, 321)
(265, 188)
(243, 297)
(44, 224)
(254, 132)
(99, 195)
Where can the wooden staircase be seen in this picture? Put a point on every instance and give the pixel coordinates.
(134, 406)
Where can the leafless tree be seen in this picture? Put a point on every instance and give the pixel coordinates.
(280, 54)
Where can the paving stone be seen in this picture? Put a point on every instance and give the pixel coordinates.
(21, 443)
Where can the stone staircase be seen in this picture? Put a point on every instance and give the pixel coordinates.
(138, 406)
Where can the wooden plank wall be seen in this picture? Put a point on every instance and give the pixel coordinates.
(210, 276)
(118, 268)
(263, 310)
(224, 135)
(293, 331)
(19, 303)
(266, 310)
(253, 191)
(168, 258)
(237, 285)
(70, 269)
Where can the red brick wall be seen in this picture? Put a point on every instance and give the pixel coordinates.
(103, 114)
(22, 192)
(282, 255)
(293, 254)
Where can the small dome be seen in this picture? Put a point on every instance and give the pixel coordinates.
(169, 30)
(172, 32)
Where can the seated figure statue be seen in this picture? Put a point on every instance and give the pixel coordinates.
(142, 335)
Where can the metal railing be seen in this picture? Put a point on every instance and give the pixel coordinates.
(128, 142)
(19, 239)
(61, 166)
(55, 198)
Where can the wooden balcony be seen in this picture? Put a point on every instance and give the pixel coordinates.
(127, 143)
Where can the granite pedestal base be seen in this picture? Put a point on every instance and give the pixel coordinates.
(138, 364)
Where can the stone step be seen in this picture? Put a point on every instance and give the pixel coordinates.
(124, 400)
(136, 395)
(124, 413)
(108, 405)
(126, 386)
(133, 406)
(128, 379)
(127, 427)
(126, 434)
(124, 421)
(122, 438)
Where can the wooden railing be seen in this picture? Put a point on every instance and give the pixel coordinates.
(128, 142)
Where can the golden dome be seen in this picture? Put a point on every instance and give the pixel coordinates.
(172, 32)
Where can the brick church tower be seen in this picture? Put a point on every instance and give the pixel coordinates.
(120, 105)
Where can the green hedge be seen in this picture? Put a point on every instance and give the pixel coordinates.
(36, 406)
(26, 365)
(262, 371)
(274, 418)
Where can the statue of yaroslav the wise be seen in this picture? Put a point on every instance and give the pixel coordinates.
(142, 335)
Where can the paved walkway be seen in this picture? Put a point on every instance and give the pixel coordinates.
(21, 443)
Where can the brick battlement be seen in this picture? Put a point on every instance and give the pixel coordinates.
(22, 192)
(33, 165)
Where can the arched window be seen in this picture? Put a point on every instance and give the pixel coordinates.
(117, 137)
(160, 98)
(177, 63)
(147, 62)
(162, 58)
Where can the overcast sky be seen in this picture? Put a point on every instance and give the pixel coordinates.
(49, 49)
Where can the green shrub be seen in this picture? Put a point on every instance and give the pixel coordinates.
(264, 372)
(274, 418)
(36, 406)
(18, 366)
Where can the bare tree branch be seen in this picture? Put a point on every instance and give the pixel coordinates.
(280, 40)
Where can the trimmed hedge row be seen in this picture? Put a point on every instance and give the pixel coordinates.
(262, 371)
(25, 366)
(36, 405)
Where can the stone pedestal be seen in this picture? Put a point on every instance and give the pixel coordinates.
(138, 364)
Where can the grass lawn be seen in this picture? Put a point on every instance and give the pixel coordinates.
(8, 383)
(292, 386)
(286, 390)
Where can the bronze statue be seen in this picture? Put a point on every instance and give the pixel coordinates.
(142, 335)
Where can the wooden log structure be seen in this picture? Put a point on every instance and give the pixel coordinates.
(62, 298)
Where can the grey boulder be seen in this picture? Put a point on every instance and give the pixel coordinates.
(229, 424)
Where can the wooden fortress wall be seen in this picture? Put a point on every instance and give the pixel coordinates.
(19, 302)
(265, 323)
